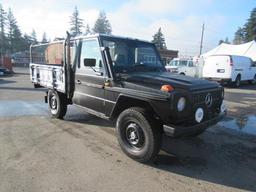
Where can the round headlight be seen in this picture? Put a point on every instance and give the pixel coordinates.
(199, 115)
(181, 104)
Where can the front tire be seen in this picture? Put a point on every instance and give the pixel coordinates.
(138, 134)
(57, 104)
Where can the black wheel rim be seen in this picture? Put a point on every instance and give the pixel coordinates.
(134, 136)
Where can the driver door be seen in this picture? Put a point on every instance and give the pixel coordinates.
(89, 81)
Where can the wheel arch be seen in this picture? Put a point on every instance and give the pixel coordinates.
(125, 102)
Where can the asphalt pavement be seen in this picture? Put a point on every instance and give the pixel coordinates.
(81, 153)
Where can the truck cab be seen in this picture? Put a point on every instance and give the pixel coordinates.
(112, 77)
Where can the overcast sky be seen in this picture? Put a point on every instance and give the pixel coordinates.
(181, 20)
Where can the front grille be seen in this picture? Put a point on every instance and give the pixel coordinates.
(199, 98)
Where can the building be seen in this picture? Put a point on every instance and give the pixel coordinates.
(167, 55)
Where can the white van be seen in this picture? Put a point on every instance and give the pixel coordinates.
(182, 67)
(229, 69)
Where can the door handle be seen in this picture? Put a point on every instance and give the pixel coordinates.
(78, 81)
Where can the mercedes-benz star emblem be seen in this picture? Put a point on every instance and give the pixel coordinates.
(208, 100)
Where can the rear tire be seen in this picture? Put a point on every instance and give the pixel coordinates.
(182, 73)
(139, 135)
(237, 82)
(253, 81)
(57, 104)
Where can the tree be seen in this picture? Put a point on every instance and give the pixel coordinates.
(3, 42)
(87, 30)
(250, 26)
(159, 40)
(239, 37)
(227, 41)
(28, 40)
(76, 23)
(33, 36)
(102, 24)
(248, 31)
(14, 36)
(44, 38)
(220, 42)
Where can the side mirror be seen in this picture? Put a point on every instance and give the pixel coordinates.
(89, 62)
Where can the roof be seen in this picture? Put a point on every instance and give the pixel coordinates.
(91, 36)
(114, 36)
(246, 49)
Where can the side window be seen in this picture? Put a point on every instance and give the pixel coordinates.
(90, 50)
(190, 64)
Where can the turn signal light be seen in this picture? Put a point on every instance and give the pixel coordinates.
(167, 88)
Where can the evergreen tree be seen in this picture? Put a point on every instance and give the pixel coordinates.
(33, 36)
(250, 26)
(28, 40)
(3, 41)
(159, 40)
(14, 36)
(239, 36)
(220, 42)
(102, 24)
(44, 38)
(76, 23)
(87, 30)
(227, 41)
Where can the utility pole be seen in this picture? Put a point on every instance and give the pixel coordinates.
(202, 38)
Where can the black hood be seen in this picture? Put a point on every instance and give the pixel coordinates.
(156, 79)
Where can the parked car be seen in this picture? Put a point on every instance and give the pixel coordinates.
(229, 69)
(2, 71)
(182, 67)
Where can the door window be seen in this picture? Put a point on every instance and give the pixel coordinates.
(190, 64)
(90, 50)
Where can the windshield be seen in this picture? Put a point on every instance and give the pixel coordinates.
(174, 63)
(132, 55)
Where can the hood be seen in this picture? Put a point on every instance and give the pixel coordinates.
(156, 79)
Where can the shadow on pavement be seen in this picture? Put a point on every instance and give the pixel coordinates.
(215, 157)
(3, 81)
(22, 89)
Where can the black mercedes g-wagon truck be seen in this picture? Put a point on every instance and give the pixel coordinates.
(124, 80)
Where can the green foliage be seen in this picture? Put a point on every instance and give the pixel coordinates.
(14, 36)
(159, 40)
(250, 26)
(3, 42)
(239, 36)
(102, 24)
(44, 38)
(11, 38)
(87, 30)
(248, 31)
(76, 23)
(220, 42)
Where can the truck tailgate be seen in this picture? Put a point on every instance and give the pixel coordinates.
(49, 76)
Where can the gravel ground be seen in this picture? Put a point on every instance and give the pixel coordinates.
(81, 153)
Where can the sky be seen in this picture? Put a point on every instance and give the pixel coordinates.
(180, 20)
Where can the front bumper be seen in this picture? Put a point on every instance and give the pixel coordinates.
(177, 131)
